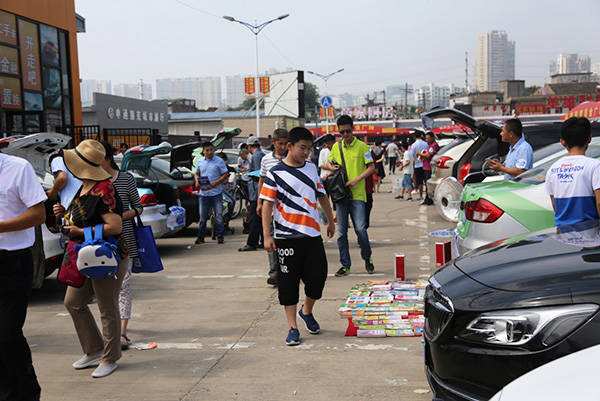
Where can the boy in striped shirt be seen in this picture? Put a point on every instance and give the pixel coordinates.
(290, 193)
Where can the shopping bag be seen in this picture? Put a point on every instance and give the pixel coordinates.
(147, 252)
(69, 273)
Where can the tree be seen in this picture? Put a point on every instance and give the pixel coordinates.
(311, 96)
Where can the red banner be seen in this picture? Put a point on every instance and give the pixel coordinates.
(30, 55)
(531, 108)
(264, 85)
(249, 86)
(8, 28)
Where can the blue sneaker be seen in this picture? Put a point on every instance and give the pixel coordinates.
(293, 337)
(311, 324)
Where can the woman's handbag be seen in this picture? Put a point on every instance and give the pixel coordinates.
(147, 252)
(69, 273)
(335, 183)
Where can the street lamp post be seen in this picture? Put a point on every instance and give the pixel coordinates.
(255, 29)
(326, 78)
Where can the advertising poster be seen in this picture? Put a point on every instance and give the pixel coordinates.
(10, 93)
(8, 28)
(33, 101)
(30, 56)
(52, 90)
(49, 38)
(9, 60)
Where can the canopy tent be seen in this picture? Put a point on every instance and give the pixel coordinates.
(590, 110)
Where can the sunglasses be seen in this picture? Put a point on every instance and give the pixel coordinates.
(347, 131)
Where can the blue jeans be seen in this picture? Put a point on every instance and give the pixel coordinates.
(357, 209)
(205, 204)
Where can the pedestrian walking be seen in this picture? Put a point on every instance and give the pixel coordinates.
(359, 164)
(427, 154)
(279, 143)
(95, 203)
(126, 188)
(392, 154)
(211, 172)
(407, 172)
(419, 176)
(254, 220)
(297, 234)
(21, 209)
(379, 157)
(326, 142)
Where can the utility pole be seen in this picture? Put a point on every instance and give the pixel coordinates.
(466, 72)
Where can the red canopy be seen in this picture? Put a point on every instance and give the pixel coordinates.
(590, 110)
(365, 130)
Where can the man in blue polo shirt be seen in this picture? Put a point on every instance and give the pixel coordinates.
(211, 172)
(520, 155)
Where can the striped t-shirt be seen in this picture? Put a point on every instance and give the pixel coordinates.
(295, 192)
(127, 191)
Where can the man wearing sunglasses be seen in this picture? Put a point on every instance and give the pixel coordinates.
(359, 165)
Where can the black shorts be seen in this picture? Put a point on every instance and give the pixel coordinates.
(300, 259)
(419, 177)
(426, 175)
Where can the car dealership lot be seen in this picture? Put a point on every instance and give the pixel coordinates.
(220, 330)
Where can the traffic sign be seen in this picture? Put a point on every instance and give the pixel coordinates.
(326, 101)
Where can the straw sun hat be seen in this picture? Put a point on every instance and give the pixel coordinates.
(84, 162)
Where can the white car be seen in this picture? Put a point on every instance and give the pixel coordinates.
(572, 377)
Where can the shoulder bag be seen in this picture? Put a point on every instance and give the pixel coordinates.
(149, 259)
(335, 183)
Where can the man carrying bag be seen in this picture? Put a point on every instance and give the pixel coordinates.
(358, 164)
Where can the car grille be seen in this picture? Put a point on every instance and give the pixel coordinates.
(438, 310)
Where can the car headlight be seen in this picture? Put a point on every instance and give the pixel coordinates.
(517, 327)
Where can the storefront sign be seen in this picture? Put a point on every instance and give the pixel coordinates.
(10, 93)
(8, 28)
(531, 108)
(371, 113)
(30, 55)
(124, 113)
(9, 60)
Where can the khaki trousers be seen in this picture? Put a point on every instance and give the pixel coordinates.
(106, 291)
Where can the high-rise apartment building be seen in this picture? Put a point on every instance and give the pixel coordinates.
(89, 86)
(570, 63)
(137, 91)
(206, 91)
(235, 91)
(495, 61)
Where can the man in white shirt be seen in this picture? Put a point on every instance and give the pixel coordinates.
(326, 142)
(392, 153)
(21, 209)
(65, 184)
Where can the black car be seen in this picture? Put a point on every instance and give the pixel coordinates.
(502, 310)
(472, 167)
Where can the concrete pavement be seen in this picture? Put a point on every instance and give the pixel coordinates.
(220, 329)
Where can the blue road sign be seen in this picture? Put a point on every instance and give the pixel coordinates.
(326, 101)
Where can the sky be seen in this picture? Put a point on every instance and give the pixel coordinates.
(377, 42)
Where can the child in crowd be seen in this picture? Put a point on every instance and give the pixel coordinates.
(290, 192)
(573, 181)
(407, 171)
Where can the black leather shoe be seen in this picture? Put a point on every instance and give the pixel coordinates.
(247, 248)
(199, 240)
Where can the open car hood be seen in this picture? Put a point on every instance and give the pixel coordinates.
(486, 128)
(220, 140)
(35, 148)
(140, 157)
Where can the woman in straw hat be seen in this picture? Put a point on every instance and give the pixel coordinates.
(96, 202)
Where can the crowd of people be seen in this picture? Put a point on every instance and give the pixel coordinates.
(283, 217)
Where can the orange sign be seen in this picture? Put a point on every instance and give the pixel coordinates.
(10, 93)
(324, 111)
(265, 86)
(9, 60)
(30, 55)
(8, 28)
(249, 86)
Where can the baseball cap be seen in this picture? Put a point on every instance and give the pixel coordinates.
(252, 140)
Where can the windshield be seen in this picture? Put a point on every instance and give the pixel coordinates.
(537, 175)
